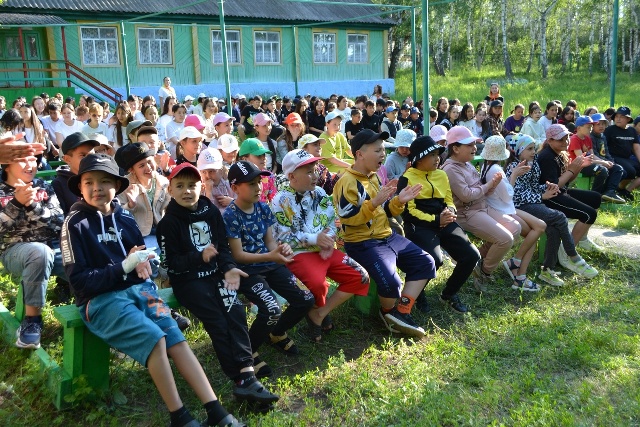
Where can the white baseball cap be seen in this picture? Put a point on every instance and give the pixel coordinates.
(228, 143)
(296, 158)
(209, 159)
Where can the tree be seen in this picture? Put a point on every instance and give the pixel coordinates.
(508, 72)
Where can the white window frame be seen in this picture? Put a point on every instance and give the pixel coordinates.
(325, 58)
(274, 46)
(167, 42)
(231, 45)
(355, 57)
(99, 40)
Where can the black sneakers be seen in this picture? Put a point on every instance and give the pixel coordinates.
(252, 390)
(455, 304)
(403, 323)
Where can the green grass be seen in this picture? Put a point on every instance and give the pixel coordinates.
(470, 85)
(567, 356)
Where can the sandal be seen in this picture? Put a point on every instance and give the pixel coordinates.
(327, 325)
(260, 367)
(510, 266)
(230, 421)
(525, 285)
(284, 344)
(254, 391)
(315, 331)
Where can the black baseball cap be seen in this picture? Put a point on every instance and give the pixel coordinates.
(131, 154)
(366, 136)
(97, 162)
(244, 171)
(422, 147)
(75, 140)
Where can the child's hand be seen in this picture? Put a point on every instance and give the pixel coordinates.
(409, 192)
(144, 269)
(132, 192)
(607, 164)
(521, 169)
(209, 253)
(138, 255)
(552, 191)
(163, 160)
(278, 255)
(25, 193)
(232, 279)
(577, 164)
(208, 186)
(385, 193)
(446, 217)
(324, 240)
(224, 201)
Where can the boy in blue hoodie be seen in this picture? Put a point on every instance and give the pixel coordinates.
(108, 267)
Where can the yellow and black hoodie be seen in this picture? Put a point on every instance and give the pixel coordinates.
(424, 210)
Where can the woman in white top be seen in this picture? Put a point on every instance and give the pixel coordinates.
(501, 199)
(532, 125)
(68, 124)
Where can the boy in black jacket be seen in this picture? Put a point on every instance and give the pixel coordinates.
(205, 279)
(108, 267)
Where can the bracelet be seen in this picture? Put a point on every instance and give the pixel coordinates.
(572, 173)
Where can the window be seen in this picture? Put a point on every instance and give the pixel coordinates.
(357, 48)
(32, 47)
(233, 46)
(13, 47)
(154, 46)
(324, 48)
(267, 47)
(99, 45)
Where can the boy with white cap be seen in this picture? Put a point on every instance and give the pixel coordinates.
(216, 187)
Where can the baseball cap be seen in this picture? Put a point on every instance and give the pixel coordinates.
(194, 120)
(190, 132)
(404, 138)
(252, 146)
(557, 132)
(390, 109)
(131, 154)
(228, 143)
(495, 103)
(366, 136)
(438, 133)
(636, 120)
(188, 98)
(625, 111)
(221, 118)
(209, 159)
(333, 115)
(599, 117)
(147, 129)
(244, 171)
(461, 135)
(132, 126)
(414, 110)
(405, 107)
(97, 162)
(261, 119)
(295, 159)
(181, 168)
(584, 120)
(422, 147)
(75, 140)
(309, 139)
(293, 118)
(202, 95)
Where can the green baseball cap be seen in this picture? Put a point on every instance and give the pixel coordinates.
(252, 146)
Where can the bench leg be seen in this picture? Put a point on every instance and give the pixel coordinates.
(20, 310)
(542, 244)
(369, 304)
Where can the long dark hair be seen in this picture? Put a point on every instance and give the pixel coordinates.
(124, 107)
(165, 107)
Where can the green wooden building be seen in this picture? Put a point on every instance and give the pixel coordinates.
(283, 47)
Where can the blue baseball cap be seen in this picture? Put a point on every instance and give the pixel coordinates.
(390, 109)
(584, 120)
(598, 117)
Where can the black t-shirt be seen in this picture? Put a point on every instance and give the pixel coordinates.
(354, 128)
(249, 113)
(316, 121)
(370, 122)
(620, 141)
(550, 169)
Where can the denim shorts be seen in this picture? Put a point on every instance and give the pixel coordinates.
(132, 320)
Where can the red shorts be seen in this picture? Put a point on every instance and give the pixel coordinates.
(313, 271)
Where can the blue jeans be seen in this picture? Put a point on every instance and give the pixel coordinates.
(35, 262)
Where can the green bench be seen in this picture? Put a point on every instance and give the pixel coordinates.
(84, 354)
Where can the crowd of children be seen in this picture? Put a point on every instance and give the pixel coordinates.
(224, 219)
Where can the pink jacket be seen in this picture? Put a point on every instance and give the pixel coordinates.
(468, 191)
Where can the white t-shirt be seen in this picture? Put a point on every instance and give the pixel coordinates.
(65, 130)
(545, 122)
(501, 199)
(161, 125)
(102, 129)
(346, 117)
(164, 93)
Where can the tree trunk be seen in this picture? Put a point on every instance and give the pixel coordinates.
(544, 61)
(532, 34)
(394, 57)
(508, 72)
(592, 31)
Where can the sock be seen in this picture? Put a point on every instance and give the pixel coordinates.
(33, 319)
(521, 277)
(215, 412)
(405, 304)
(517, 261)
(180, 417)
(385, 310)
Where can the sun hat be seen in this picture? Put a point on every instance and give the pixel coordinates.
(584, 120)
(228, 143)
(309, 139)
(599, 117)
(461, 135)
(221, 118)
(186, 166)
(209, 158)
(293, 118)
(244, 171)
(97, 162)
(75, 140)
(557, 132)
(195, 121)
(390, 109)
(422, 147)
(495, 148)
(261, 119)
(438, 133)
(625, 111)
(404, 138)
(333, 115)
(131, 154)
(252, 146)
(190, 132)
(364, 137)
(521, 141)
(295, 159)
